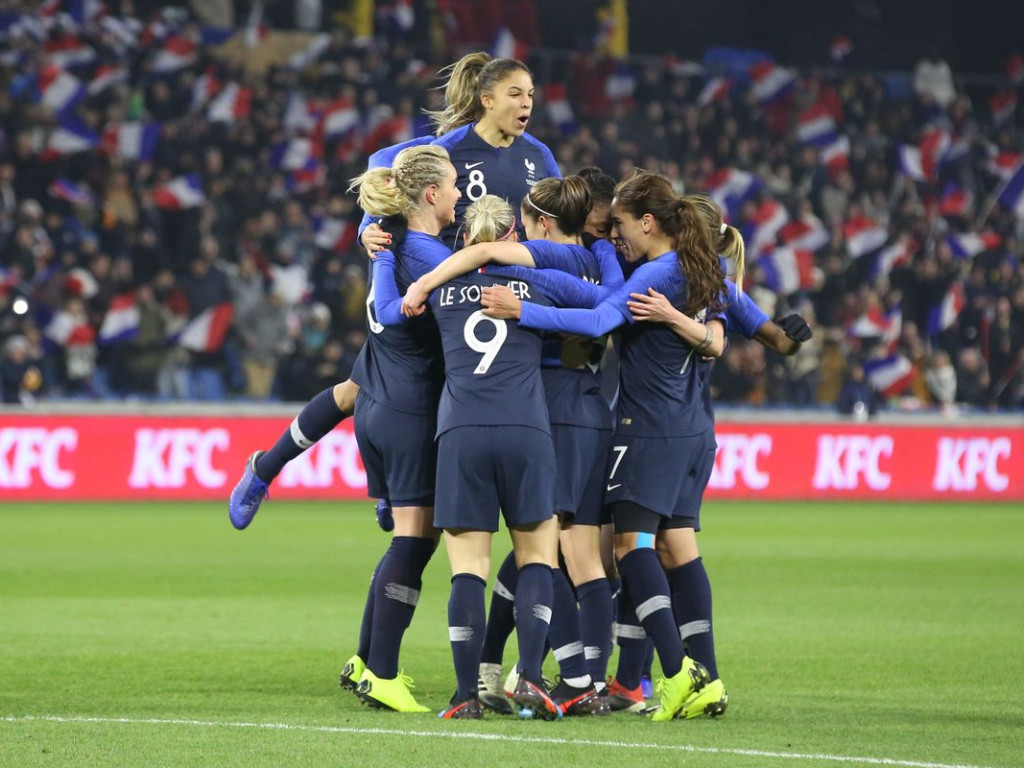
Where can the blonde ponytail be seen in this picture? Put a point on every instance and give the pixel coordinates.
(488, 220)
(396, 190)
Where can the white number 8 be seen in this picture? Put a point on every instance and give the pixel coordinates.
(489, 349)
(476, 187)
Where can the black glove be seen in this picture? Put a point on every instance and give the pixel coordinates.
(397, 227)
(796, 328)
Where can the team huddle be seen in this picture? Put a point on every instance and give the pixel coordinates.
(495, 286)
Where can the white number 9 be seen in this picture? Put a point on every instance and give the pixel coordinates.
(489, 349)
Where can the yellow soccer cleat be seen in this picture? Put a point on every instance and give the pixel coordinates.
(388, 694)
(711, 700)
(674, 691)
(351, 672)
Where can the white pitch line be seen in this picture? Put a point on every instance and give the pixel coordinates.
(487, 737)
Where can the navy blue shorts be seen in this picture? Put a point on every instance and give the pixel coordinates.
(666, 475)
(484, 470)
(398, 452)
(581, 454)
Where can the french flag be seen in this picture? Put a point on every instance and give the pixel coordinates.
(107, 77)
(788, 270)
(967, 245)
(298, 118)
(398, 16)
(294, 154)
(806, 234)
(122, 320)
(255, 30)
(123, 34)
(308, 177)
(177, 53)
(836, 154)
(335, 235)
(817, 127)
(770, 217)
(340, 117)
(207, 330)
(621, 83)
(80, 282)
(889, 258)
(70, 137)
(955, 201)
(69, 51)
(863, 235)
(730, 188)
(316, 48)
(132, 141)
(944, 314)
(179, 194)
(715, 89)
(1003, 105)
(876, 324)
(507, 47)
(76, 194)
(85, 12)
(770, 81)
(911, 162)
(840, 48)
(204, 88)
(1012, 195)
(1014, 68)
(59, 90)
(890, 375)
(559, 110)
(232, 104)
(1004, 164)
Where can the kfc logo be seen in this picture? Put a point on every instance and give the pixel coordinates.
(962, 462)
(336, 454)
(737, 458)
(24, 451)
(164, 457)
(843, 460)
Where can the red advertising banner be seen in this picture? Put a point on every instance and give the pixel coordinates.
(201, 457)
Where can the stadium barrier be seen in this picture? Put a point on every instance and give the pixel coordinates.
(188, 452)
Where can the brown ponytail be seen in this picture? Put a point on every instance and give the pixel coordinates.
(728, 240)
(568, 201)
(467, 80)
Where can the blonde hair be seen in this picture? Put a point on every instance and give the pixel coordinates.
(466, 80)
(396, 190)
(727, 239)
(489, 219)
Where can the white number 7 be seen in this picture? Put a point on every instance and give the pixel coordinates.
(489, 349)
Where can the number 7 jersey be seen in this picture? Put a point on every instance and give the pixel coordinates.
(492, 367)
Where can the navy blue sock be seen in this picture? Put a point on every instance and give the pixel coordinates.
(595, 598)
(691, 604)
(632, 639)
(501, 619)
(648, 589)
(366, 628)
(534, 595)
(395, 594)
(319, 416)
(564, 634)
(466, 630)
(648, 659)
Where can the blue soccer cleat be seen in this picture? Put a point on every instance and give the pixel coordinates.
(384, 517)
(248, 495)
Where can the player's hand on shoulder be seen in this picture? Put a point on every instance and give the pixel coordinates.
(498, 301)
(651, 307)
(375, 239)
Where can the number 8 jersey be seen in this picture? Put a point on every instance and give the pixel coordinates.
(492, 367)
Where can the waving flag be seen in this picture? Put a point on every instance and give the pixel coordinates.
(807, 233)
(206, 331)
(177, 53)
(770, 81)
(889, 258)
(232, 104)
(1003, 105)
(340, 118)
(863, 235)
(1004, 164)
(769, 217)
(294, 154)
(788, 270)
(967, 245)
(910, 162)
(715, 89)
(944, 314)
(77, 194)
(559, 109)
(840, 48)
(730, 188)
(817, 127)
(132, 141)
(334, 234)
(890, 375)
(507, 47)
(311, 52)
(955, 201)
(59, 90)
(68, 51)
(836, 154)
(621, 83)
(204, 88)
(106, 77)
(298, 118)
(873, 323)
(181, 193)
(1012, 195)
(69, 137)
(122, 320)
(255, 30)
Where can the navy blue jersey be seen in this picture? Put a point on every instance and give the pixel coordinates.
(401, 365)
(384, 158)
(507, 172)
(492, 367)
(660, 384)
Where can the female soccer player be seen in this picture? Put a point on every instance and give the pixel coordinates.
(664, 446)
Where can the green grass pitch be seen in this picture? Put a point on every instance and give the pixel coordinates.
(155, 634)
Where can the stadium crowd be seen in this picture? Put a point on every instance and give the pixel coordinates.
(175, 225)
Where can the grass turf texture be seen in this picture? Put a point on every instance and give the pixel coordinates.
(890, 632)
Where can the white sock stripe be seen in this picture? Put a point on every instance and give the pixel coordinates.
(297, 437)
(402, 593)
(567, 650)
(690, 628)
(592, 652)
(460, 634)
(502, 591)
(656, 603)
(631, 631)
(543, 613)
